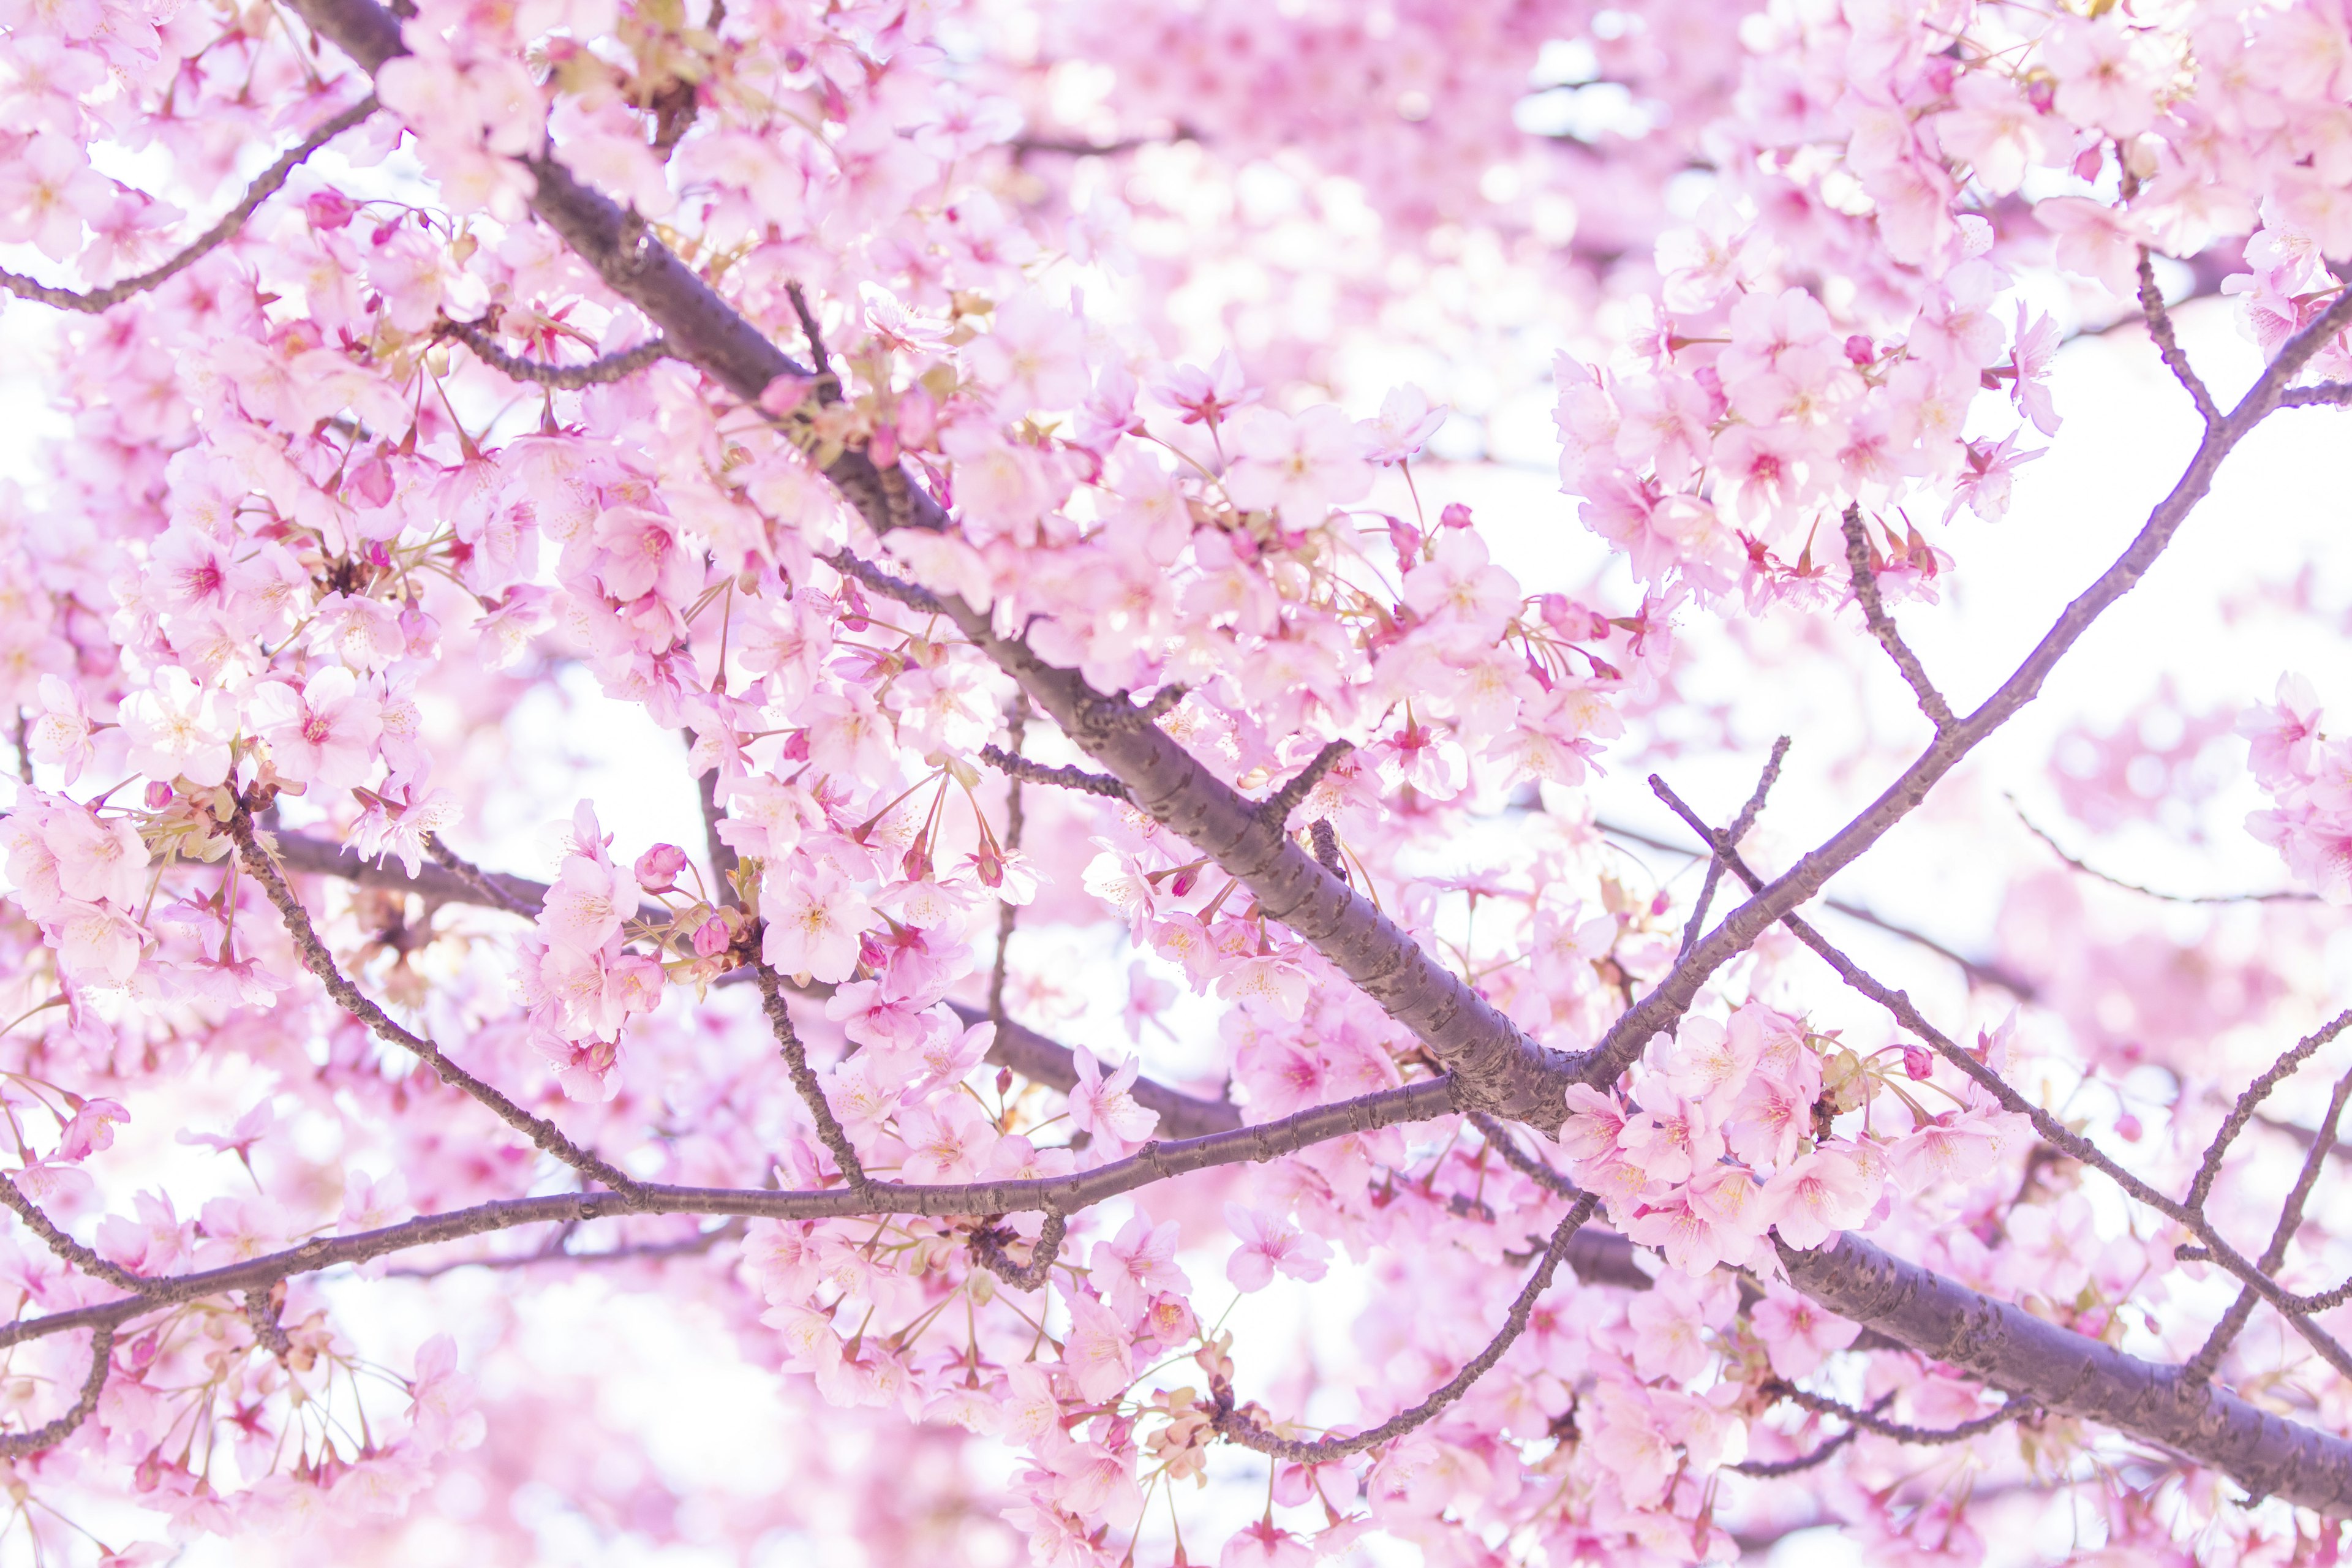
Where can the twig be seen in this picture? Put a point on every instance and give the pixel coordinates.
(1872, 1422)
(1014, 766)
(1236, 1427)
(1278, 805)
(2209, 1169)
(267, 1332)
(1016, 727)
(2325, 395)
(988, 1246)
(563, 377)
(2202, 1365)
(19, 1445)
(2283, 896)
(542, 1133)
(1821, 1454)
(1326, 839)
(1738, 831)
(828, 384)
(1161, 703)
(2167, 345)
(1976, 969)
(272, 179)
(829, 1129)
(65, 1247)
(1882, 625)
(478, 880)
(2053, 1131)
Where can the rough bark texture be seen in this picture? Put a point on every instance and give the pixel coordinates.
(2076, 1375)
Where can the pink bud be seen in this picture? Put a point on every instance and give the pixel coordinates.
(1861, 350)
(2128, 1129)
(1182, 882)
(1456, 515)
(1917, 1062)
(421, 631)
(712, 938)
(915, 864)
(988, 865)
(796, 747)
(658, 866)
(329, 209)
(2087, 162)
(159, 795)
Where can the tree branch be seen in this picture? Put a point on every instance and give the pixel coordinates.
(1013, 766)
(563, 377)
(272, 180)
(21, 1445)
(1235, 1428)
(65, 1245)
(1882, 625)
(1738, 831)
(1658, 1010)
(2283, 896)
(542, 1133)
(2167, 345)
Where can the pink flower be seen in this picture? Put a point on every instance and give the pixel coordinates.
(60, 734)
(176, 730)
(1271, 1245)
(1103, 1107)
(1096, 1350)
(1818, 1195)
(1137, 1264)
(47, 189)
(1798, 1335)
(1204, 395)
(1405, 424)
(325, 734)
(2282, 734)
(814, 921)
(1298, 467)
(91, 1128)
(2095, 240)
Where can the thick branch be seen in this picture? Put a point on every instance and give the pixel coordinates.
(1497, 1066)
(273, 179)
(2074, 1374)
(697, 325)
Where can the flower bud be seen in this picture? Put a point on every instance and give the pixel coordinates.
(1456, 515)
(712, 938)
(159, 795)
(657, 868)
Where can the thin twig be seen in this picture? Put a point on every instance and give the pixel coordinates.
(1008, 914)
(98, 300)
(828, 384)
(1326, 839)
(2167, 345)
(1872, 1422)
(1236, 1427)
(2202, 1365)
(2324, 394)
(1014, 766)
(2209, 1169)
(19, 1445)
(474, 876)
(829, 1129)
(1882, 625)
(65, 1247)
(1738, 831)
(1765, 1470)
(1976, 969)
(315, 957)
(2053, 1131)
(2283, 896)
(1278, 805)
(561, 377)
(988, 1246)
